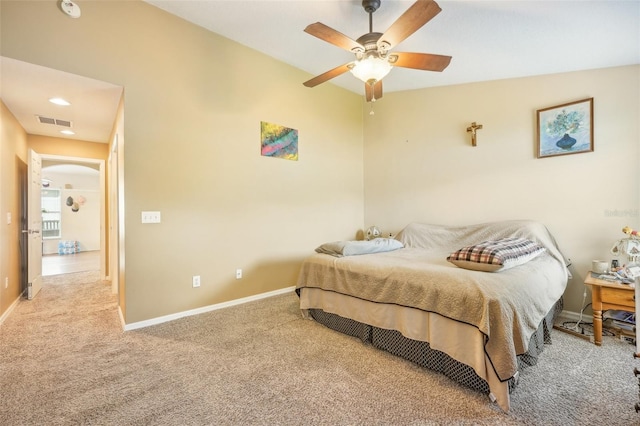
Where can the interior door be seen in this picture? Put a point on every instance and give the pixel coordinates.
(34, 220)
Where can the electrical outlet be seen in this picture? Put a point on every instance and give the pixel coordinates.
(195, 281)
(6, 282)
(238, 274)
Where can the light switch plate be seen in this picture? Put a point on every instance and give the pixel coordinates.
(150, 217)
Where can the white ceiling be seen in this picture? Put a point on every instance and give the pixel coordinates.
(488, 40)
(26, 89)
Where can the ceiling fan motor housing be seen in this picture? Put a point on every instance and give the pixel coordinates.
(369, 40)
(370, 43)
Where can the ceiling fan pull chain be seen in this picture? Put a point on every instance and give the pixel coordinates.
(373, 100)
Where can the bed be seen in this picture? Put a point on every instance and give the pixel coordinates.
(477, 327)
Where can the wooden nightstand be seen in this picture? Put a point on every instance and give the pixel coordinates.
(607, 295)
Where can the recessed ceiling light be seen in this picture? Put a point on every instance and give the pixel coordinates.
(68, 132)
(59, 101)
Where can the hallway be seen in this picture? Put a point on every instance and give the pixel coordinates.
(55, 264)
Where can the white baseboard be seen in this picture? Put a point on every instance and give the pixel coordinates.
(124, 324)
(172, 317)
(10, 309)
(573, 316)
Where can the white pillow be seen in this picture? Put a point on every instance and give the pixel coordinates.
(354, 248)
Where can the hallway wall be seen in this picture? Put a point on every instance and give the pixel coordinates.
(13, 158)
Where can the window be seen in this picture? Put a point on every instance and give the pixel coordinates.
(50, 213)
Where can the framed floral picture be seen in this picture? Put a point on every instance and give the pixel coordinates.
(565, 129)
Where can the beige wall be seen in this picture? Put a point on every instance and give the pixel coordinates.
(420, 165)
(47, 145)
(192, 112)
(13, 158)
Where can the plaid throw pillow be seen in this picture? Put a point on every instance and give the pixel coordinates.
(491, 256)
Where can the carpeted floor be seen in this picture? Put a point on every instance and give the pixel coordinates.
(64, 360)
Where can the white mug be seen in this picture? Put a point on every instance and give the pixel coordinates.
(599, 266)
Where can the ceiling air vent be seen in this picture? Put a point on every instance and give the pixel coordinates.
(54, 121)
(64, 123)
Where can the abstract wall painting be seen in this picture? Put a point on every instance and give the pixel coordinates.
(278, 141)
(565, 129)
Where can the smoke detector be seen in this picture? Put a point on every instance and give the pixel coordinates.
(70, 8)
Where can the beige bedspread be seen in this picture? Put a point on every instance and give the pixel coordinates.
(505, 306)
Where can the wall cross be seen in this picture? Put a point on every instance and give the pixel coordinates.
(474, 127)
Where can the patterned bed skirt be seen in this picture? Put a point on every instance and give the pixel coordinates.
(421, 353)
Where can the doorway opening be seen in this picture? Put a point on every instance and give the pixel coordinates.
(72, 215)
(95, 112)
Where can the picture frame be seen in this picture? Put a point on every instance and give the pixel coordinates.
(278, 141)
(565, 129)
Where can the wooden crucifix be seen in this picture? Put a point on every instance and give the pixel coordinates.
(474, 127)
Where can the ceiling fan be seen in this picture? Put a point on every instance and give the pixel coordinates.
(373, 59)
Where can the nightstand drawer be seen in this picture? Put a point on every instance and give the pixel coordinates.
(618, 297)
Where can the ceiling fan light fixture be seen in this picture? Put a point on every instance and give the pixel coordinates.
(371, 69)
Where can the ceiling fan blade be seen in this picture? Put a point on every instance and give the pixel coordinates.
(409, 22)
(328, 75)
(334, 37)
(373, 93)
(420, 61)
